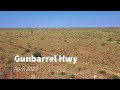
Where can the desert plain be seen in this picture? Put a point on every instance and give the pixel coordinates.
(97, 49)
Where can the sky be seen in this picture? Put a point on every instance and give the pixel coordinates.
(59, 19)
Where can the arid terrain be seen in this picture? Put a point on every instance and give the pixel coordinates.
(97, 49)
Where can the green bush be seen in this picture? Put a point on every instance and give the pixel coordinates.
(29, 46)
(37, 54)
(110, 39)
(72, 76)
(115, 76)
(102, 72)
(62, 73)
(118, 42)
(1, 75)
(102, 44)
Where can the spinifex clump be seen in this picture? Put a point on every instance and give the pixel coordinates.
(37, 54)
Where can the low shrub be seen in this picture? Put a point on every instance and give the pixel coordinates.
(79, 68)
(102, 44)
(29, 46)
(52, 72)
(1, 75)
(110, 39)
(37, 54)
(72, 76)
(118, 42)
(115, 76)
(102, 72)
(27, 50)
(62, 73)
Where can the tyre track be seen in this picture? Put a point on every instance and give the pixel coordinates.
(33, 50)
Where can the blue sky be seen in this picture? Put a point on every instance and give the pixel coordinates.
(43, 19)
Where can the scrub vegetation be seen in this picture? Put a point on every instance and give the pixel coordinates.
(97, 49)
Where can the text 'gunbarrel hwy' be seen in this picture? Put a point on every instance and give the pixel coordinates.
(55, 58)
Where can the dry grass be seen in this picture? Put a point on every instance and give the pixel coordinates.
(97, 48)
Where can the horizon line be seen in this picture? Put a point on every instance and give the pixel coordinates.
(56, 27)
